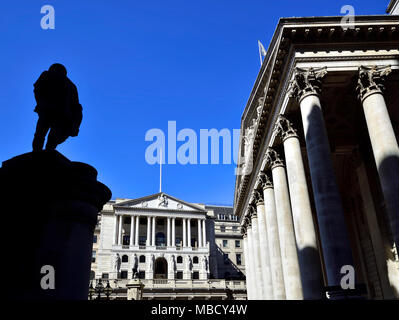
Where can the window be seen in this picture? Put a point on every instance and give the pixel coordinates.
(142, 240)
(142, 259)
(141, 274)
(125, 258)
(238, 259)
(179, 259)
(235, 228)
(105, 276)
(126, 240)
(238, 243)
(179, 275)
(124, 274)
(222, 228)
(225, 243)
(92, 275)
(93, 256)
(160, 239)
(195, 260)
(226, 258)
(178, 242)
(195, 275)
(95, 239)
(127, 220)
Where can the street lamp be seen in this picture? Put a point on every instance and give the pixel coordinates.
(91, 290)
(100, 289)
(108, 290)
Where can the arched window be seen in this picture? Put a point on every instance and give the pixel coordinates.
(142, 259)
(160, 239)
(195, 260)
(179, 259)
(125, 258)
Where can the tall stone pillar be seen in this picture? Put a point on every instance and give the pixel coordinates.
(189, 233)
(120, 230)
(115, 236)
(336, 247)
(153, 231)
(289, 255)
(173, 232)
(251, 264)
(199, 238)
(168, 233)
(131, 238)
(305, 233)
(204, 232)
(256, 254)
(184, 233)
(264, 248)
(383, 140)
(247, 266)
(273, 239)
(148, 240)
(136, 240)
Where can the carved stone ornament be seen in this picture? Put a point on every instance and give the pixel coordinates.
(284, 128)
(371, 80)
(273, 159)
(306, 82)
(258, 197)
(266, 181)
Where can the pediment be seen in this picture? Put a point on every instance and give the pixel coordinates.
(160, 201)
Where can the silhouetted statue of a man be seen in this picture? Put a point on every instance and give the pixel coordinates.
(58, 108)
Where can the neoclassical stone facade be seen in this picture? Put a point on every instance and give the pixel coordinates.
(318, 182)
(167, 243)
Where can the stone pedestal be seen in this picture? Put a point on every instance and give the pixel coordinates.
(49, 208)
(135, 290)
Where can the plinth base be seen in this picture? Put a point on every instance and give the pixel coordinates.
(49, 208)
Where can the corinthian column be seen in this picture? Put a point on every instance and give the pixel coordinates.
(251, 264)
(256, 250)
(383, 140)
(305, 234)
(273, 239)
(247, 265)
(264, 248)
(306, 87)
(289, 256)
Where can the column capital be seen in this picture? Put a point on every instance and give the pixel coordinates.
(371, 80)
(284, 128)
(252, 211)
(258, 197)
(273, 159)
(265, 181)
(306, 82)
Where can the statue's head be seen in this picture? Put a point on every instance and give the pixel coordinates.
(58, 69)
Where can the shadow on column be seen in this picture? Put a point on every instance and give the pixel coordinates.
(388, 172)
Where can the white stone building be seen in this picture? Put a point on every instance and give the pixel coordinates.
(167, 242)
(318, 193)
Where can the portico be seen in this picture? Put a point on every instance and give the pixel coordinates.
(321, 155)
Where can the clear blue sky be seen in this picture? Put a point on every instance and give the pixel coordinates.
(138, 64)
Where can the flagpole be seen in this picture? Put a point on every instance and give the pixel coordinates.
(160, 172)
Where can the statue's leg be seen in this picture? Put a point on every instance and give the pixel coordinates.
(42, 127)
(57, 135)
